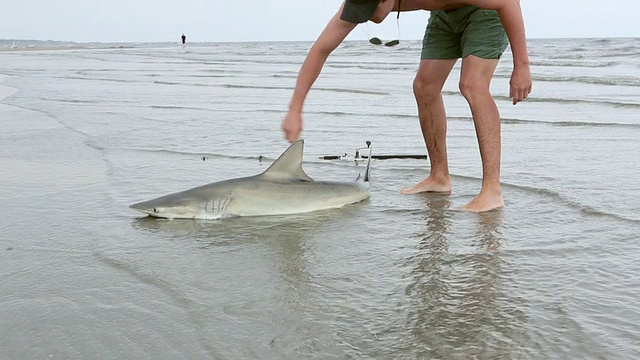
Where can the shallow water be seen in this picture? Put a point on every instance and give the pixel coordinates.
(87, 132)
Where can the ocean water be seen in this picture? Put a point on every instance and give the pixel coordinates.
(89, 130)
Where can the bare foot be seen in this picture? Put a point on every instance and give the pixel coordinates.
(485, 201)
(429, 185)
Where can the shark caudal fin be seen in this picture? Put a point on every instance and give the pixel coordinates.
(367, 170)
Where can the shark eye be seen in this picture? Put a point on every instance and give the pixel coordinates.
(154, 210)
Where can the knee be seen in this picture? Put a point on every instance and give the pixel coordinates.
(425, 90)
(472, 88)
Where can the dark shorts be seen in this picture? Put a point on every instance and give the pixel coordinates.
(463, 32)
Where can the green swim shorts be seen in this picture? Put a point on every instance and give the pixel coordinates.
(463, 32)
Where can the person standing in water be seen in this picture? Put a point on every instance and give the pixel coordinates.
(184, 39)
(474, 30)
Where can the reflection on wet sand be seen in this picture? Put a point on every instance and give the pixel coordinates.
(285, 237)
(460, 290)
(294, 296)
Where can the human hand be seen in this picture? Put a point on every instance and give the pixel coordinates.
(292, 125)
(520, 83)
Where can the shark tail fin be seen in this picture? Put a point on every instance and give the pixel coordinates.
(367, 170)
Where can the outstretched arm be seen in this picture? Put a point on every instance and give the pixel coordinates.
(333, 34)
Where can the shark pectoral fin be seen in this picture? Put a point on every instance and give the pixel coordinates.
(289, 165)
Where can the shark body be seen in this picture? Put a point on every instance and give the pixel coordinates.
(284, 188)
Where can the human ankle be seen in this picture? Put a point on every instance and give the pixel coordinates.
(491, 190)
(440, 178)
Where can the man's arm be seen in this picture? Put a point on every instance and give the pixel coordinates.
(513, 23)
(410, 5)
(333, 34)
(509, 11)
(511, 17)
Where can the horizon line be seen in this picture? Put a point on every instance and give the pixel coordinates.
(276, 41)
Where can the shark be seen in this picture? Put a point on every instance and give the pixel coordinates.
(282, 189)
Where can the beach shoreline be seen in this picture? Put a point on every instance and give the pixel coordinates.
(86, 132)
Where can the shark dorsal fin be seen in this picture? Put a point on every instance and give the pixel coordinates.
(289, 165)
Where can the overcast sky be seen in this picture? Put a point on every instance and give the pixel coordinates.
(275, 20)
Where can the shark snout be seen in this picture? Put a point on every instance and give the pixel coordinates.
(170, 207)
(143, 207)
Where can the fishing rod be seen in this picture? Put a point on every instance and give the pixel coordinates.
(358, 156)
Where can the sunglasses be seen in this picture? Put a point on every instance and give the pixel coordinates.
(376, 41)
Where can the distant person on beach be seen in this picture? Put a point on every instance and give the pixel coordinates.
(474, 30)
(184, 39)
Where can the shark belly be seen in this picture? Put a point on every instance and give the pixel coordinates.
(291, 198)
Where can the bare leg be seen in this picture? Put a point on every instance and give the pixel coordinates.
(475, 80)
(427, 88)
